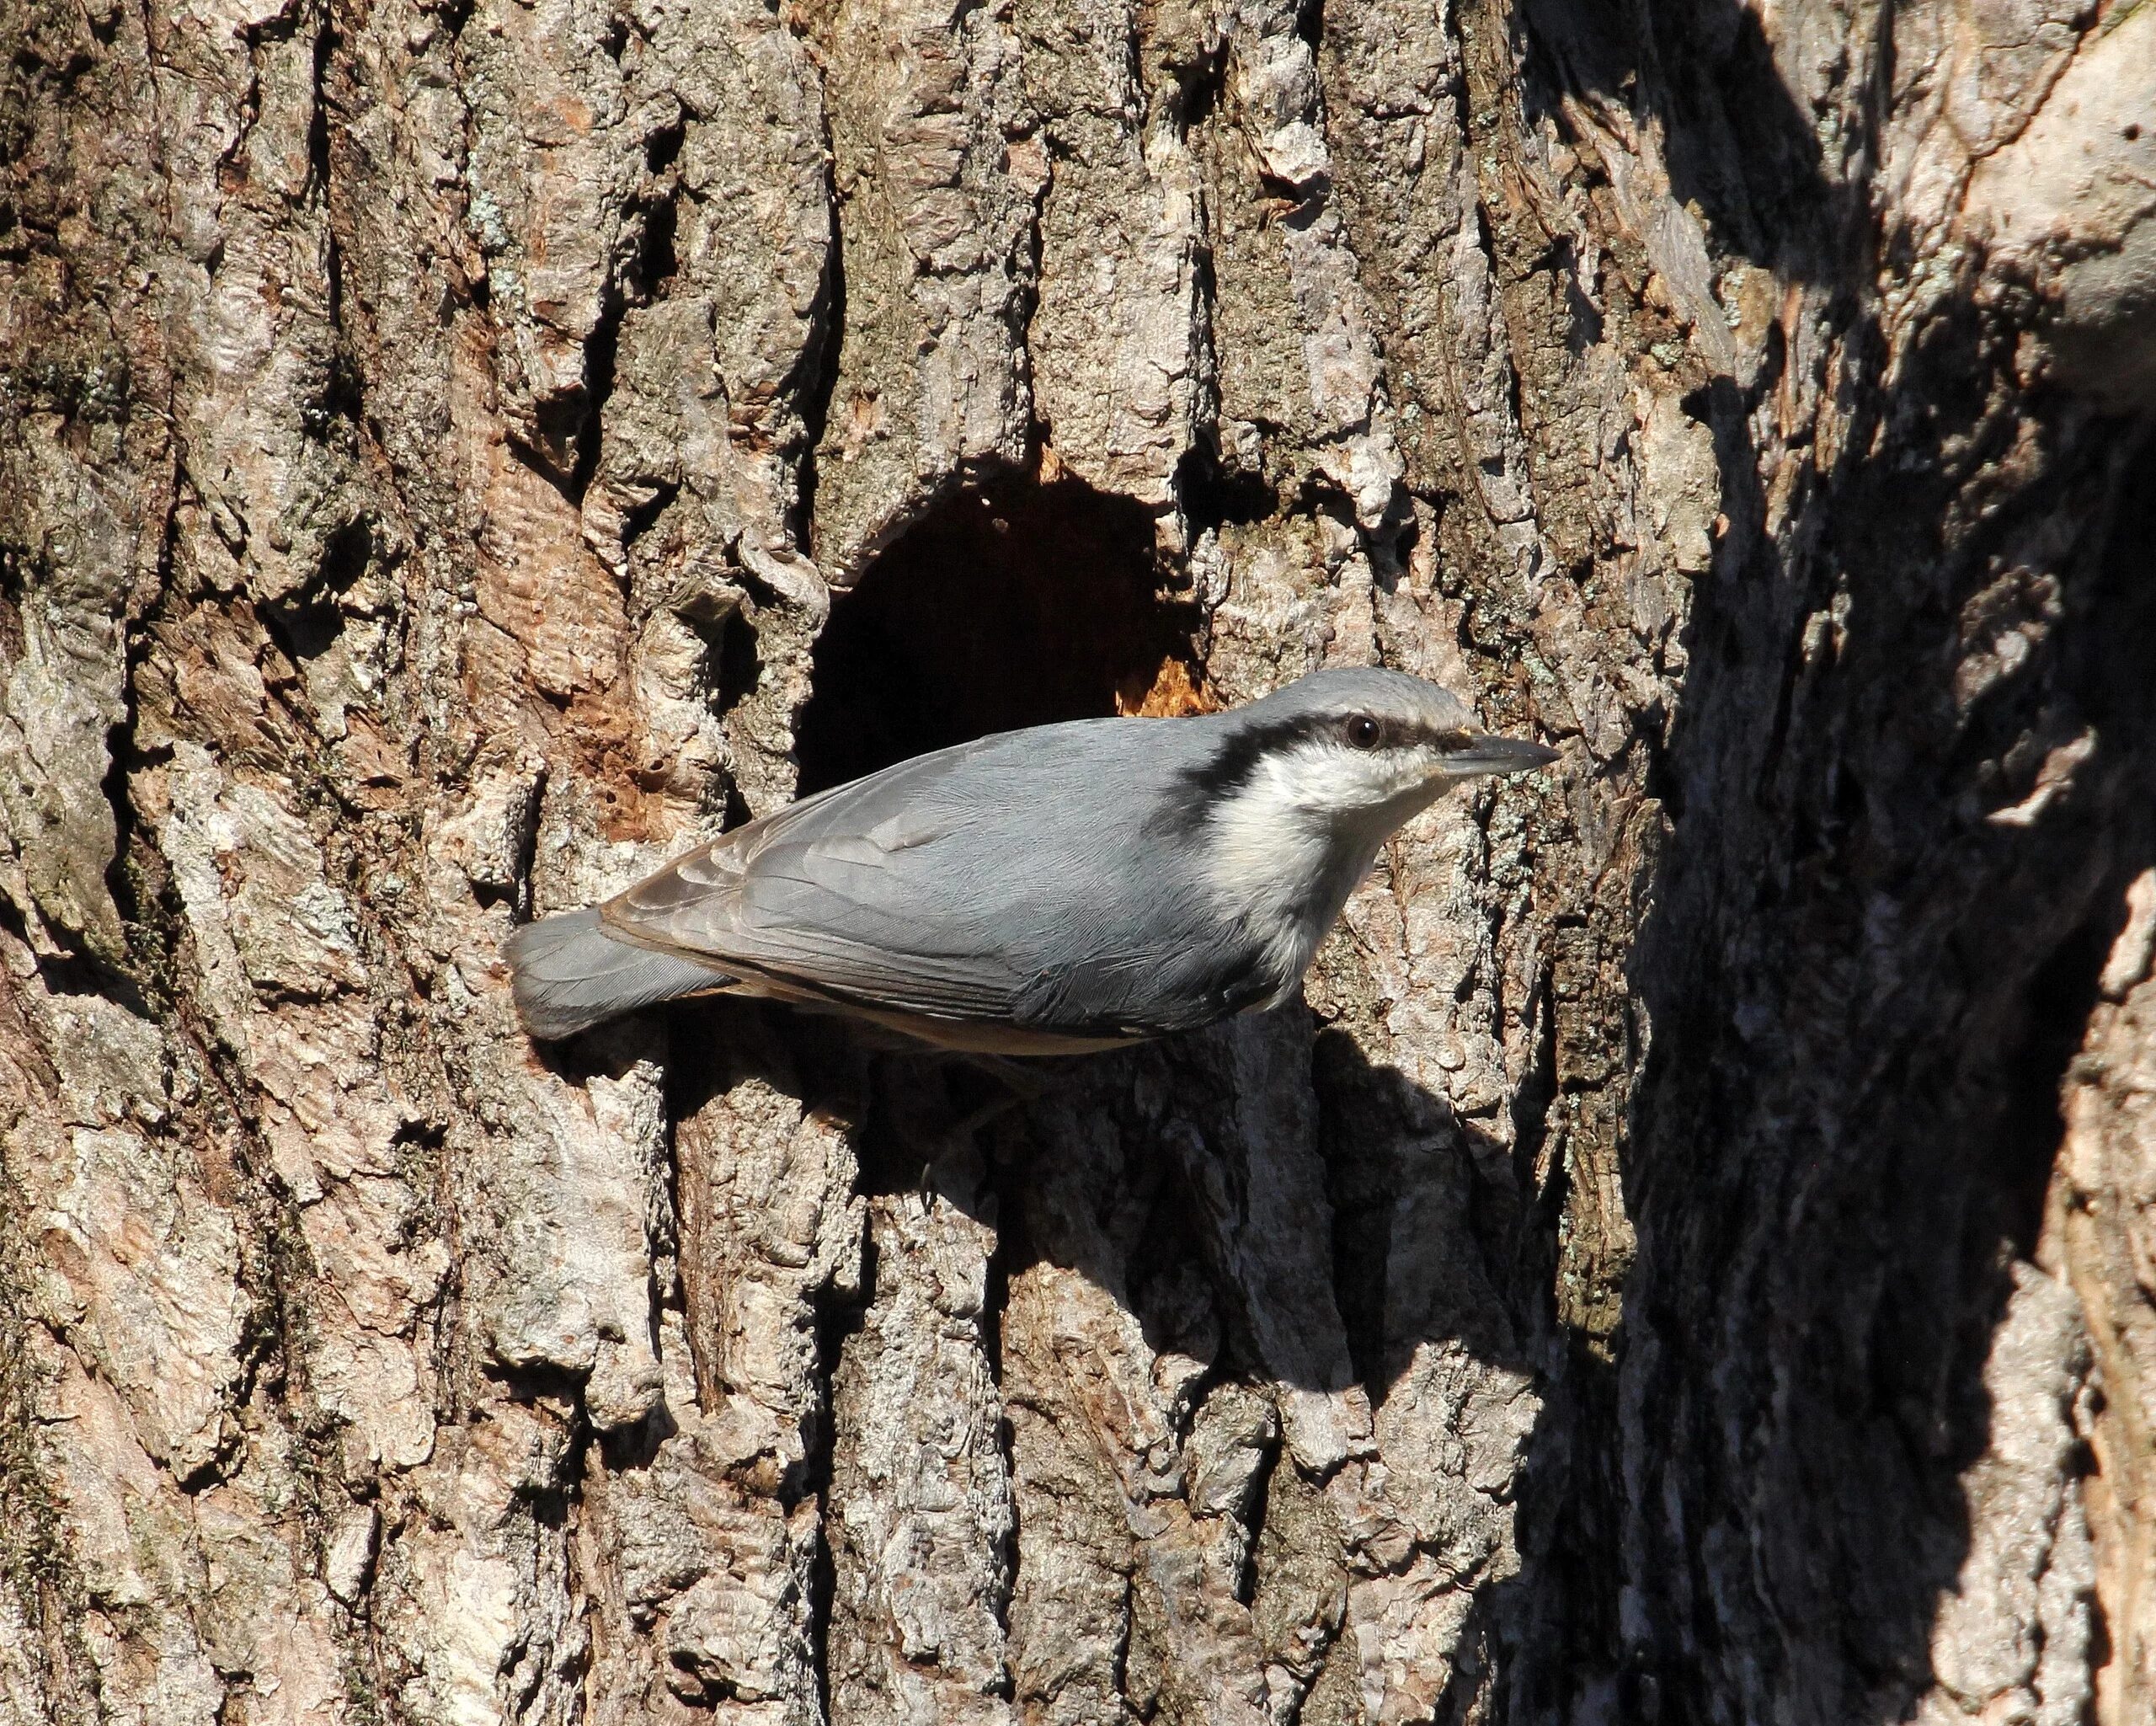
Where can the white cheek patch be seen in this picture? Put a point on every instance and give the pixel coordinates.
(1278, 843)
(1274, 830)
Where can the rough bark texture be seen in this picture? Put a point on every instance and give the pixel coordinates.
(1689, 1259)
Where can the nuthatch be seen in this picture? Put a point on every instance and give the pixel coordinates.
(1046, 891)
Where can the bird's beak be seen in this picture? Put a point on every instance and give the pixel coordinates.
(1498, 755)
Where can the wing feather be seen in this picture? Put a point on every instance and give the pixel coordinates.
(992, 882)
(848, 896)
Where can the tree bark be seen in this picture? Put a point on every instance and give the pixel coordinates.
(1687, 1258)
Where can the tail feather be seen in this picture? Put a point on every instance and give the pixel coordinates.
(567, 973)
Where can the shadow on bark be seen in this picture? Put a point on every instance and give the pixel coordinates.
(1913, 778)
(1867, 974)
(1737, 147)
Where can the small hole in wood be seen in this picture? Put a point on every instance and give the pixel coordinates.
(1011, 604)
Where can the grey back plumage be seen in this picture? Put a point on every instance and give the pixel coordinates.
(990, 883)
(905, 890)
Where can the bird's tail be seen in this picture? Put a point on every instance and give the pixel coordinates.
(567, 973)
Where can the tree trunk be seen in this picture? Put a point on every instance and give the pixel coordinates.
(1688, 1259)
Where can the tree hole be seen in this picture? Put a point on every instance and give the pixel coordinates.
(1011, 604)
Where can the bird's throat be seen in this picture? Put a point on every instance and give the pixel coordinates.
(1284, 869)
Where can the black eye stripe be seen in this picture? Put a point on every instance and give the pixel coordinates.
(1393, 734)
(1231, 766)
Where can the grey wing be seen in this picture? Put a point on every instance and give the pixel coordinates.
(882, 893)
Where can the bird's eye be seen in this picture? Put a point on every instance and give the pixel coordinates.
(1363, 731)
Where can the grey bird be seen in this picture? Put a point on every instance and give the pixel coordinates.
(1053, 890)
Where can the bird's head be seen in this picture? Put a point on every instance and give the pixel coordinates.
(1358, 749)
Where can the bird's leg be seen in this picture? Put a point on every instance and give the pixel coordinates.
(1027, 1084)
(1021, 1085)
(938, 1108)
(919, 1107)
(961, 1138)
(994, 1109)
